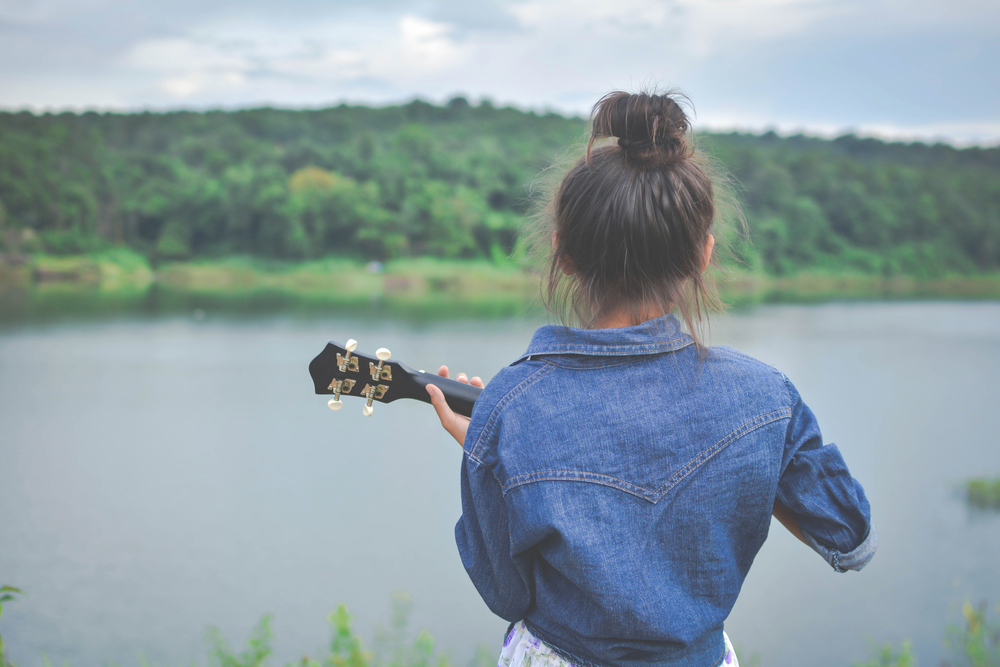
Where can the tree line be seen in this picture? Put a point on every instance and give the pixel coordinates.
(456, 181)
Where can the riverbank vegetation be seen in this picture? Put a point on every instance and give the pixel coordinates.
(983, 493)
(298, 203)
(122, 281)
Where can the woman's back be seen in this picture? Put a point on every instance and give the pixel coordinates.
(634, 483)
(619, 479)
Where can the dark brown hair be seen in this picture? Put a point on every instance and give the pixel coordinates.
(631, 218)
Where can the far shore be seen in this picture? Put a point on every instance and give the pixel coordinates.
(410, 286)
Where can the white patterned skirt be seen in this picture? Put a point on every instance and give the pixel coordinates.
(523, 649)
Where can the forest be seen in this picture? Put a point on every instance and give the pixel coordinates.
(457, 181)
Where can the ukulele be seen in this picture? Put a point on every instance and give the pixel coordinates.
(342, 371)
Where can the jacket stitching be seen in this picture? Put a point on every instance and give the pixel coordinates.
(614, 345)
(634, 489)
(598, 368)
(487, 431)
(747, 357)
(668, 346)
(734, 435)
(577, 476)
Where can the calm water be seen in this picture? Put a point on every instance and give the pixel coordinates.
(160, 476)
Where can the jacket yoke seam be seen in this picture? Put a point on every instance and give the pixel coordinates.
(491, 423)
(735, 434)
(650, 495)
(576, 476)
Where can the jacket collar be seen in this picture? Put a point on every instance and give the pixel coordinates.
(656, 336)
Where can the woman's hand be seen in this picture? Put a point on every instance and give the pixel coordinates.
(456, 425)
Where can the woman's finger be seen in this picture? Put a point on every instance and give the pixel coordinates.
(462, 377)
(455, 425)
(444, 411)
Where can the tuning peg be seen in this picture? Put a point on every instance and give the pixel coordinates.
(345, 361)
(369, 392)
(335, 404)
(383, 355)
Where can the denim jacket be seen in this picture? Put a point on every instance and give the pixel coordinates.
(616, 488)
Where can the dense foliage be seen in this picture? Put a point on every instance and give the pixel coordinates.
(454, 181)
(882, 208)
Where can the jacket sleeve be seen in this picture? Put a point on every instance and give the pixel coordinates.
(483, 537)
(828, 504)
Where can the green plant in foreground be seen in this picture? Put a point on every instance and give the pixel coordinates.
(257, 651)
(7, 593)
(887, 657)
(983, 492)
(978, 642)
(393, 646)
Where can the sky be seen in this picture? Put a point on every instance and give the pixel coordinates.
(898, 69)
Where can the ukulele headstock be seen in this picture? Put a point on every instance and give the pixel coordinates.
(343, 371)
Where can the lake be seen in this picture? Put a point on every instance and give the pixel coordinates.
(160, 475)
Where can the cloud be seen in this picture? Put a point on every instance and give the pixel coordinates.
(46, 11)
(474, 17)
(616, 14)
(913, 65)
(413, 49)
(189, 67)
(230, 56)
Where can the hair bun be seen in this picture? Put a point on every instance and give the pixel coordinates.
(648, 127)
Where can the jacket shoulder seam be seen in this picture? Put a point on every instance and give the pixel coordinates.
(747, 357)
(493, 419)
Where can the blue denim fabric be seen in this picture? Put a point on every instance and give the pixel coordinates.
(616, 488)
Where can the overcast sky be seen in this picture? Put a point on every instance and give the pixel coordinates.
(894, 68)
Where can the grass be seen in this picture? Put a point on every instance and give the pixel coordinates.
(120, 280)
(740, 287)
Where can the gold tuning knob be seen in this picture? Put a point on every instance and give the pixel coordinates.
(347, 362)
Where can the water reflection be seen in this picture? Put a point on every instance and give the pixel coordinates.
(55, 302)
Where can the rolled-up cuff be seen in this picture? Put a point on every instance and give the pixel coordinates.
(853, 560)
